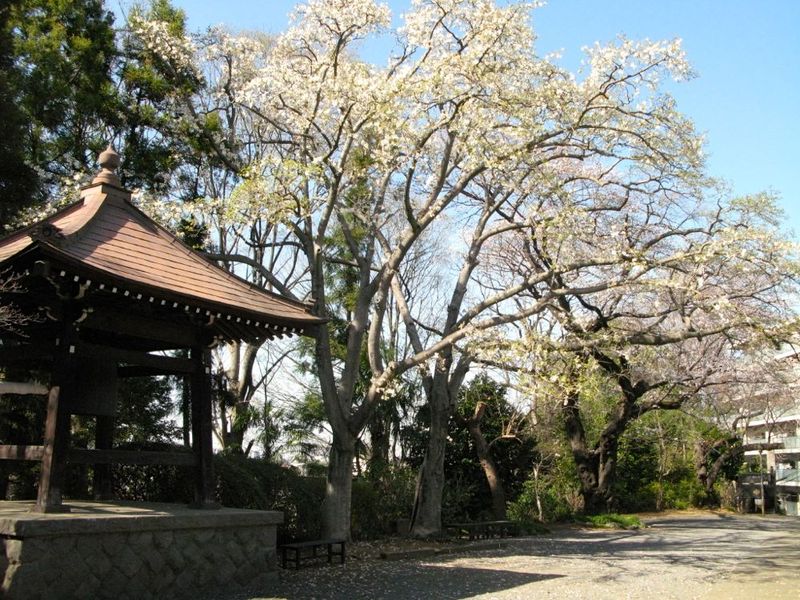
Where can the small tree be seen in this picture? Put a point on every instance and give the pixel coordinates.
(496, 435)
(693, 294)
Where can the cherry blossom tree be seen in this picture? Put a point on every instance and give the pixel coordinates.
(699, 289)
(466, 134)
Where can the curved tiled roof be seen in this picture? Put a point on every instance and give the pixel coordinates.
(106, 235)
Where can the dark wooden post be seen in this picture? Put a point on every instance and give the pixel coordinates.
(56, 441)
(102, 485)
(201, 429)
(186, 411)
(57, 425)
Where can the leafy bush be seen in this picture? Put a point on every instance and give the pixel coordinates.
(257, 484)
(555, 505)
(637, 468)
(21, 422)
(152, 483)
(681, 490)
(240, 483)
(466, 494)
(378, 504)
(612, 520)
(653, 473)
(458, 500)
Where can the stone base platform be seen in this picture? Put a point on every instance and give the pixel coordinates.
(134, 550)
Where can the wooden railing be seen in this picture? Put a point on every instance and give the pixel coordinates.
(84, 455)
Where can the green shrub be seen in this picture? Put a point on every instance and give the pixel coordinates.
(152, 483)
(457, 501)
(252, 483)
(555, 504)
(682, 491)
(612, 520)
(240, 483)
(378, 504)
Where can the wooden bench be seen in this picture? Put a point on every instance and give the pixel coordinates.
(294, 553)
(484, 529)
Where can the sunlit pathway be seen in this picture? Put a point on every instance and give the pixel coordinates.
(681, 557)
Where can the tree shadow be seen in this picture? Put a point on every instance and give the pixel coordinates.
(706, 544)
(400, 581)
(755, 549)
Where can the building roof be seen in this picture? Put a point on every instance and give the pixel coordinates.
(105, 238)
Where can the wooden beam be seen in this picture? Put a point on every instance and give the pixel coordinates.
(174, 332)
(57, 430)
(165, 365)
(25, 352)
(131, 371)
(12, 452)
(85, 456)
(23, 388)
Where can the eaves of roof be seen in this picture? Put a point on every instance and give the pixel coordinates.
(103, 236)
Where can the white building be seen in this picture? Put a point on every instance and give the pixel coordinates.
(778, 430)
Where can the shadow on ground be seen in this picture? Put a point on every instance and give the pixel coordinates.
(705, 550)
(715, 543)
(399, 581)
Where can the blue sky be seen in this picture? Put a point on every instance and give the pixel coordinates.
(746, 52)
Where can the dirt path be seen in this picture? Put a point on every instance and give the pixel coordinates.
(703, 556)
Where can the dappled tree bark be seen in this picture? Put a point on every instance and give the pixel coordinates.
(426, 519)
(483, 450)
(596, 466)
(378, 430)
(336, 506)
(707, 469)
(587, 464)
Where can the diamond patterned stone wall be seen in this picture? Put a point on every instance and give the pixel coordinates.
(189, 557)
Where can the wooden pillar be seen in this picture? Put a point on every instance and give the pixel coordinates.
(56, 443)
(204, 496)
(186, 411)
(102, 484)
(57, 424)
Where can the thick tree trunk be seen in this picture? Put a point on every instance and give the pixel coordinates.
(441, 390)
(234, 438)
(427, 517)
(336, 506)
(608, 448)
(379, 445)
(489, 468)
(701, 450)
(586, 463)
(483, 450)
(596, 468)
(728, 449)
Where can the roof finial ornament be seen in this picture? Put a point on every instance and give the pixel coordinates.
(108, 161)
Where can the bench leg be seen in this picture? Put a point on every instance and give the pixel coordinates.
(286, 559)
(340, 553)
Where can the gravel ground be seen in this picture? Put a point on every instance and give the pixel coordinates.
(703, 556)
